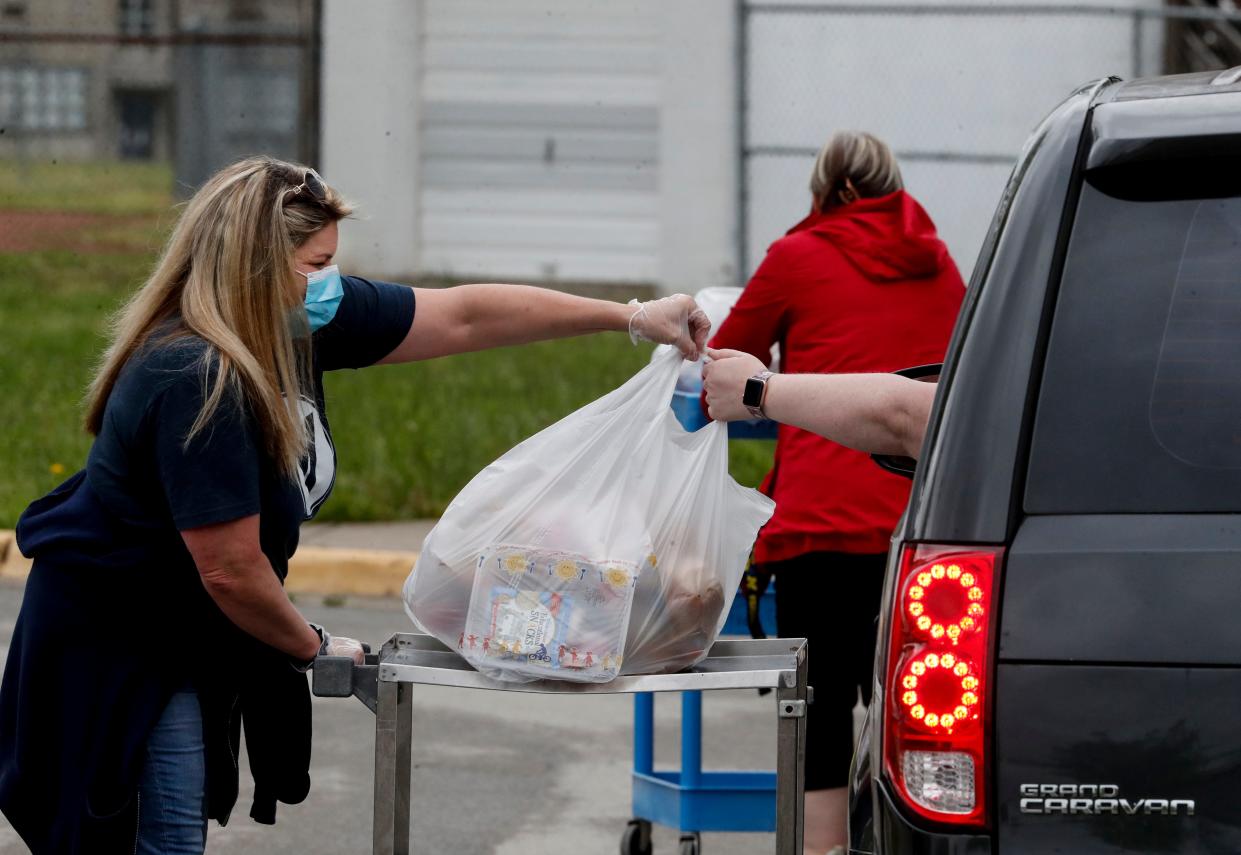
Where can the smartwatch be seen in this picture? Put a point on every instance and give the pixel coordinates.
(755, 394)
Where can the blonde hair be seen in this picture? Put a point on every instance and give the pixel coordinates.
(862, 159)
(227, 276)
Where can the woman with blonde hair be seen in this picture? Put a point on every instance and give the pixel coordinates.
(154, 623)
(862, 284)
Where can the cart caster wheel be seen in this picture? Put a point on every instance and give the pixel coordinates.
(691, 844)
(637, 838)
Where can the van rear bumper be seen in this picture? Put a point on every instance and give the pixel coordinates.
(894, 835)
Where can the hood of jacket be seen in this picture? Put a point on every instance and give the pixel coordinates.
(888, 238)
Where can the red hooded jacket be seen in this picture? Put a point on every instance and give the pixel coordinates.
(867, 287)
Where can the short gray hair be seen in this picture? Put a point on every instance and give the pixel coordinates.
(863, 159)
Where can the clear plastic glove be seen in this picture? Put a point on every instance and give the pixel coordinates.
(339, 645)
(674, 320)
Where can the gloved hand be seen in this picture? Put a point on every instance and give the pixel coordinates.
(338, 645)
(675, 320)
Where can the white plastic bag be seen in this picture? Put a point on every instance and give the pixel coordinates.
(717, 302)
(611, 542)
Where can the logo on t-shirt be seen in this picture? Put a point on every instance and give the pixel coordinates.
(319, 465)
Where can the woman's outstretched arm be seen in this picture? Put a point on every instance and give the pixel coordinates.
(875, 413)
(477, 317)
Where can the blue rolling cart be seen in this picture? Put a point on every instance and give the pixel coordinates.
(689, 799)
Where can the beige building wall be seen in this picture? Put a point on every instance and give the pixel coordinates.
(86, 37)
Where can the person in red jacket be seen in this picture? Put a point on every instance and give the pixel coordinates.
(862, 284)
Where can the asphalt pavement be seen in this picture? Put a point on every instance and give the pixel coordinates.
(503, 773)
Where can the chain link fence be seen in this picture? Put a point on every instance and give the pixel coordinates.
(954, 88)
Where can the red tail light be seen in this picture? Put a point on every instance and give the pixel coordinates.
(938, 681)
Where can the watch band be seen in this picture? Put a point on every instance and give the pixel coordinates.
(756, 410)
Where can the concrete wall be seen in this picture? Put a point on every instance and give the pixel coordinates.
(698, 146)
(370, 130)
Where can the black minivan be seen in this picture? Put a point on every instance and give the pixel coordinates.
(1059, 663)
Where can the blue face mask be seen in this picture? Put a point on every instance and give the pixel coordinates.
(323, 295)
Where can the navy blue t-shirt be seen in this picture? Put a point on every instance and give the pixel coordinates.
(154, 484)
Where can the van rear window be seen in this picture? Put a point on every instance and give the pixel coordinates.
(1140, 405)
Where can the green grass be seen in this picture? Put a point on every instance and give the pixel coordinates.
(53, 309)
(110, 187)
(408, 437)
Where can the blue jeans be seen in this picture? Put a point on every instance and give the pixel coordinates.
(172, 792)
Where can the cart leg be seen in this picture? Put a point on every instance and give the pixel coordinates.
(393, 744)
(691, 741)
(791, 763)
(644, 733)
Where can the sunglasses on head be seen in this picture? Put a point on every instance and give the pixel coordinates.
(312, 185)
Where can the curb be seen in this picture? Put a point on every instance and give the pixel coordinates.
(358, 572)
(313, 570)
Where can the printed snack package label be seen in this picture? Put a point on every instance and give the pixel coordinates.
(545, 614)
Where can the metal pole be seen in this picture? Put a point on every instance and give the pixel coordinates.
(691, 739)
(806, 693)
(644, 733)
(312, 92)
(742, 22)
(791, 763)
(393, 749)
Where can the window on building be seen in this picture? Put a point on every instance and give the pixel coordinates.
(43, 99)
(137, 17)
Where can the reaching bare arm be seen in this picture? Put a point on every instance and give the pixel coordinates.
(481, 316)
(876, 413)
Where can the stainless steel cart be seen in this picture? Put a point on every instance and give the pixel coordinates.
(385, 684)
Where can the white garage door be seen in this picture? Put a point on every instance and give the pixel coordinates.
(539, 139)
